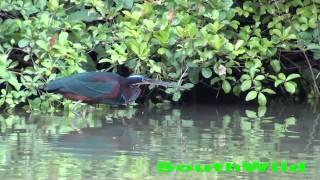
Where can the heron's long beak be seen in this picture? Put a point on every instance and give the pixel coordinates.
(160, 83)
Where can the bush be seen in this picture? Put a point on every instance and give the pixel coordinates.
(255, 48)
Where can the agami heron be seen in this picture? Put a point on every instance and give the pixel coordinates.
(101, 87)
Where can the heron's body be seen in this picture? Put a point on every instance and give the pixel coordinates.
(98, 88)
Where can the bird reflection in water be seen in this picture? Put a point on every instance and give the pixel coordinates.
(103, 142)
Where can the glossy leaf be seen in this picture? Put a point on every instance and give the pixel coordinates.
(262, 100)
(246, 85)
(226, 86)
(290, 87)
(251, 95)
(292, 76)
(206, 72)
(275, 65)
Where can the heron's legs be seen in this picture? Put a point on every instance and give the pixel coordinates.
(84, 115)
(74, 108)
(77, 117)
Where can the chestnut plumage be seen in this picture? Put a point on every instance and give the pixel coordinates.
(99, 87)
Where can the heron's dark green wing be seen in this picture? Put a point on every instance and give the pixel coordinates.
(92, 86)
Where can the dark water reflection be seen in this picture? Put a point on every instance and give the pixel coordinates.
(127, 143)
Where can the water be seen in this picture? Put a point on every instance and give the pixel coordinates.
(128, 143)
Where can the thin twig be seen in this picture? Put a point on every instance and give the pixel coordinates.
(312, 73)
(182, 75)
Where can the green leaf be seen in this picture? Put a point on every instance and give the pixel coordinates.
(128, 4)
(259, 78)
(262, 100)
(313, 22)
(53, 5)
(245, 76)
(83, 15)
(290, 121)
(291, 36)
(236, 90)
(42, 44)
(170, 90)
(287, 31)
(292, 76)
(41, 4)
(133, 46)
(290, 87)
(282, 76)
(251, 95)
(206, 72)
(275, 64)
(226, 4)
(173, 75)
(262, 111)
(215, 80)
(245, 125)
(252, 71)
(176, 96)
(161, 51)
(217, 41)
(269, 91)
(63, 37)
(4, 74)
(191, 29)
(229, 46)
(277, 32)
(226, 86)
(156, 68)
(278, 82)
(246, 85)
(194, 75)
(188, 85)
(3, 60)
(239, 44)
(273, 77)
(23, 43)
(143, 51)
(313, 46)
(251, 114)
(14, 82)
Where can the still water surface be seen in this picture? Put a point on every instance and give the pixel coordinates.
(127, 143)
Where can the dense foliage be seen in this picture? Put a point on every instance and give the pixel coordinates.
(255, 48)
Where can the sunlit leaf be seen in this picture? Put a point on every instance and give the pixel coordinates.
(290, 87)
(275, 65)
(262, 100)
(292, 76)
(251, 95)
(246, 85)
(226, 86)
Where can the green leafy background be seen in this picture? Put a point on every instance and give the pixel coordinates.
(249, 48)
